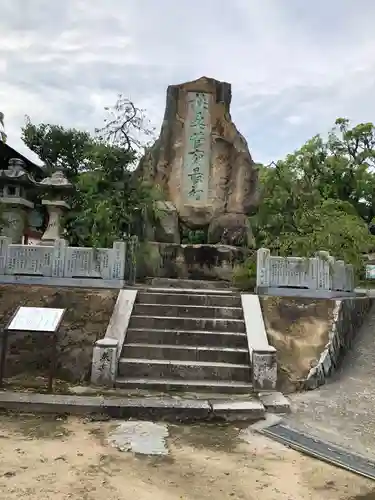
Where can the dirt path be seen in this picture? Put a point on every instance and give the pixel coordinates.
(44, 458)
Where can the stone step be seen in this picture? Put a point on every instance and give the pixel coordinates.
(186, 337)
(199, 370)
(187, 352)
(185, 323)
(186, 283)
(187, 311)
(191, 385)
(182, 298)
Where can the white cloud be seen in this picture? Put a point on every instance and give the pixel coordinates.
(294, 119)
(294, 66)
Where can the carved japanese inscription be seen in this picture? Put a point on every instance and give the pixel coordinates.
(197, 156)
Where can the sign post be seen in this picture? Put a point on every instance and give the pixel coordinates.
(42, 320)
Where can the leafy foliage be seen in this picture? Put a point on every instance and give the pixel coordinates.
(321, 197)
(244, 276)
(59, 147)
(108, 201)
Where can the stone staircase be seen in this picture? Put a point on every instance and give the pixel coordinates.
(186, 339)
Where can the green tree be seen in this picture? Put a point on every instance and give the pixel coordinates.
(351, 166)
(321, 197)
(66, 148)
(108, 201)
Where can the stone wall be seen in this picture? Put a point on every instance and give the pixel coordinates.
(86, 319)
(298, 328)
(348, 316)
(202, 262)
(311, 336)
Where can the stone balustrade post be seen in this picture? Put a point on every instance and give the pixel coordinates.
(104, 362)
(263, 271)
(4, 247)
(323, 274)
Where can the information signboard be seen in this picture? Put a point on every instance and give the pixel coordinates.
(45, 320)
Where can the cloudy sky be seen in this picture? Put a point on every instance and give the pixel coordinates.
(294, 65)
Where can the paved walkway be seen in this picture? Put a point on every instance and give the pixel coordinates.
(343, 411)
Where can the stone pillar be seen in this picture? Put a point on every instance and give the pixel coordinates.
(313, 273)
(4, 246)
(349, 281)
(339, 275)
(323, 271)
(118, 260)
(263, 274)
(264, 369)
(55, 210)
(58, 258)
(104, 362)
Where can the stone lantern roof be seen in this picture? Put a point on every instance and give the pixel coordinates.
(56, 184)
(56, 180)
(16, 173)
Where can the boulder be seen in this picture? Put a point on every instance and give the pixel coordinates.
(166, 223)
(202, 163)
(231, 229)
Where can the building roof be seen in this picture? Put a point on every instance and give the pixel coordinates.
(7, 152)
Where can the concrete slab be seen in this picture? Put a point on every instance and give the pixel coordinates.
(238, 410)
(275, 402)
(144, 438)
(162, 408)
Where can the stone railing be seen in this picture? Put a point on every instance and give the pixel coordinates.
(62, 261)
(348, 316)
(320, 273)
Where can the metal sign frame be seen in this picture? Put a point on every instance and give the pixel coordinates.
(53, 332)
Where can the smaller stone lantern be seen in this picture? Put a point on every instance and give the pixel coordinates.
(56, 188)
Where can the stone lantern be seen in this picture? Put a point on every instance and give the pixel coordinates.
(16, 185)
(56, 188)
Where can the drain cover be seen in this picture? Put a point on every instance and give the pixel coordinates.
(321, 450)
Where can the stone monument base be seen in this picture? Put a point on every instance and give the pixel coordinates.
(196, 262)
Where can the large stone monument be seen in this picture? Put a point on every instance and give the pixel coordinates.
(203, 166)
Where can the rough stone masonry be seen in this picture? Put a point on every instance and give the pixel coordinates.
(203, 166)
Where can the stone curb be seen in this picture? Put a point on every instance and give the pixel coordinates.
(168, 409)
(274, 402)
